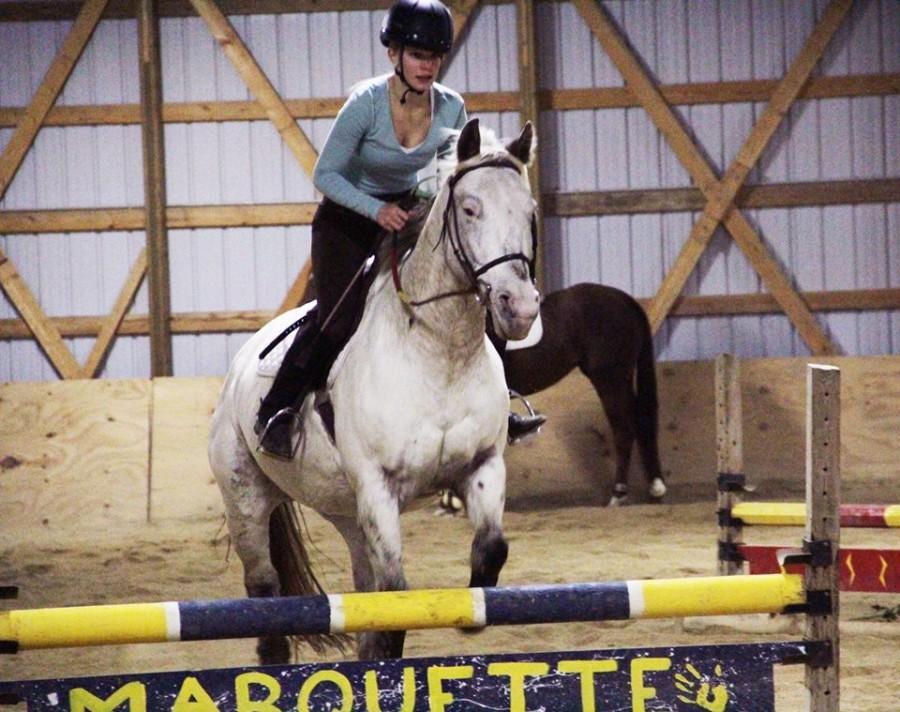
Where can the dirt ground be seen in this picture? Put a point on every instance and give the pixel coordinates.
(191, 560)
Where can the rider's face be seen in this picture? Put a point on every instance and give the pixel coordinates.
(420, 66)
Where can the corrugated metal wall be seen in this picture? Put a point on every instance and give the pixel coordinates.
(251, 268)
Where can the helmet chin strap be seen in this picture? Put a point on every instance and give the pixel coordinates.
(398, 70)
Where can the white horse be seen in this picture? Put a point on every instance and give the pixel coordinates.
(418, 394)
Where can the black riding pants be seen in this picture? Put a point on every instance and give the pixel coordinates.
(341, 241)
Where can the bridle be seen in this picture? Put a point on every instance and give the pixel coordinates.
(450, 231)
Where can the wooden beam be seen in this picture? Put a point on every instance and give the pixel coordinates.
(29, 10)
(529, 111)
(607, 202)
(762, 303)
(548, 99)
(177, 217)
(39, 326)
(686, 306)
(771, 195)
(756, 90)
(258, 83)
(157, 237)
(54, 80)
(111, 324)
(462, 13)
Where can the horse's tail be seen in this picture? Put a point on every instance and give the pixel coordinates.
(647, 402)
(291, 560)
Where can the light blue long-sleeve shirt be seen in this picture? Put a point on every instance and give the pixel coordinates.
(362, 157)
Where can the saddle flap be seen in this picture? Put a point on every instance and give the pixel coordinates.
(268, 366)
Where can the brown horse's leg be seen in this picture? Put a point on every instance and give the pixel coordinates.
(647, 417)
(619, 403)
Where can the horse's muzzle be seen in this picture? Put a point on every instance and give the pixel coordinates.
(514, 314)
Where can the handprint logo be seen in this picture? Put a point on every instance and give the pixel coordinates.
(701, 691)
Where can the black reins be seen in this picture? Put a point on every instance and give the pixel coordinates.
(450, 231)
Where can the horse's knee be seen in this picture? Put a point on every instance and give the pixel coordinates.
(489, 552)
(260, 577)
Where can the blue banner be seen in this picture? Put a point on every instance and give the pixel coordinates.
(724, 678)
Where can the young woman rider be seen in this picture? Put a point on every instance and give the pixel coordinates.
(389, 129)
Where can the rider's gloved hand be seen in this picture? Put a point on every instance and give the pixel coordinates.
(392, 217)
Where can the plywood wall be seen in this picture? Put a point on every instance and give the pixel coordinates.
(80, 454)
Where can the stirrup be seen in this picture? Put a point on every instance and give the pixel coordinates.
(515, 395)
(281, 445)
(529, 424)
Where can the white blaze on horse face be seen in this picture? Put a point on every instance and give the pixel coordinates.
(493, 226)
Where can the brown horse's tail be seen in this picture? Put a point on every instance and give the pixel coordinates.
(647, 405)
(291, 559)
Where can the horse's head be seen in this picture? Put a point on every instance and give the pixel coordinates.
(489, 218)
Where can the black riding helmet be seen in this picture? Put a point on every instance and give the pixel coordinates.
(419, 23)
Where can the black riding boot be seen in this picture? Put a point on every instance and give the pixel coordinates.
(521, 426)
(304, 368)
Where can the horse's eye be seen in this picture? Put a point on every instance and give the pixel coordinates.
(470, 212)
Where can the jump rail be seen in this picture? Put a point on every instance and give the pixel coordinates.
(738, 677)
(789, 514)
(861, 569)
(398, 610)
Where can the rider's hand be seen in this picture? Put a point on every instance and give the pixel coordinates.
(391, 217)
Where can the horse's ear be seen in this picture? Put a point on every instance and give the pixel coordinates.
(521, 146)
(469, 143)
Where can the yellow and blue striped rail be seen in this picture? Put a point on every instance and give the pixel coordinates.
(398, 610)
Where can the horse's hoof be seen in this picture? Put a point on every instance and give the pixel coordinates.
(657, 488)
(618, 500)
(449, 505)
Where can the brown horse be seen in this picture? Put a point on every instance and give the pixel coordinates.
(604, 332)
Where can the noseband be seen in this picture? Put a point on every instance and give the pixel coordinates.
(450, 231)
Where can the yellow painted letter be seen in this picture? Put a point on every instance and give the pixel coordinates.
(242, 685)
(333, 676)
(517, 672)
(193, 698)
(586, 669)
(437, 698)
(409, 691)
(640, 693)
(134, 693)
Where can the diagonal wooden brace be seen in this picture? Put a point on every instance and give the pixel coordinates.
(720, 194)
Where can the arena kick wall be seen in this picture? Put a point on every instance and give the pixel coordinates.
(83, 454)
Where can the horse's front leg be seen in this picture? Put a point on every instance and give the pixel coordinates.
(378, 514)
(485, 497)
